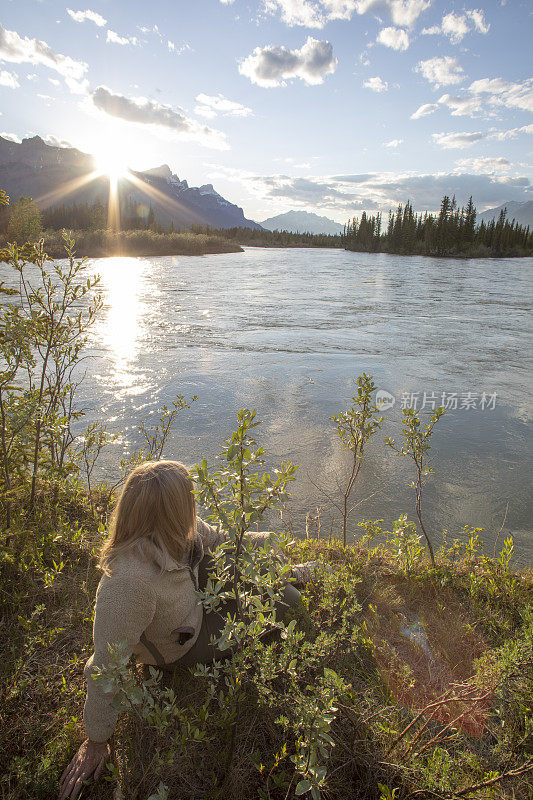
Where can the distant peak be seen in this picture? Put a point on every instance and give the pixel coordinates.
(33, 140)
(163, 171)
(208, 188)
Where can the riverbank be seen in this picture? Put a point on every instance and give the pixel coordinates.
(100, 244)
(435, 667)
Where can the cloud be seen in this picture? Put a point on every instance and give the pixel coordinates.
(272, 66)
(456, 26)
(11, 137)
(87, 16)
(424, 110)
(347, 194)
(114, 38)
(482, 97)
(55, 142)
(484, 165)
(141, 111)
(459, 141)
(9, 79)
(298, 12)
(441, 71)
(396, 38)
(465, 105)
(21, 49)
(376, 84)
(211, 105)
(317, 13)
(393, 143)
(401, 12)
(512, 133)
(505, 93)
(310, 13)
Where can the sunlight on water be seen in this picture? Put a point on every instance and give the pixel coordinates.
(287, 331)
(123, 285)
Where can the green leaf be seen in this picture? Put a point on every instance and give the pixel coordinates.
(303, 787)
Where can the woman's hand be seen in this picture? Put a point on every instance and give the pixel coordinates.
(90, 758)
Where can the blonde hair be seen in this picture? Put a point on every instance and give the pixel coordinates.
(156, 508)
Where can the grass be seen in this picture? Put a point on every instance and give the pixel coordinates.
(456, 641)
(101, 243)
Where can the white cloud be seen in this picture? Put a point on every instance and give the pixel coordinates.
(54, 82)
(141, 111)
(55, 142)
(298, 12)
(11, 137)
(505, 93)
(349, 194)
(21, 49)
(484, 165)
(317, 13)
(396, 38)
(478, 19)
(424, 110)
(393, 143)
(456, 26)
(310, 13)
(457, 141)
(376, 84)
(401, 12)
(87, 16)
(465, 105)
(211, 105)
(114, 38)
(491, 92)
(9, 79)
(273, 65)
(441, 71)
(512, 133)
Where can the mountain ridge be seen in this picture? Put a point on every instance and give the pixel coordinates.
(303, 222)
(521, 211)
(43, 171)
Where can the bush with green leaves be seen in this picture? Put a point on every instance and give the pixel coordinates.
(44, 327)
(416, 446)
(355, 428)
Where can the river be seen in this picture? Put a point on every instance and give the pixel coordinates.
(286, 331)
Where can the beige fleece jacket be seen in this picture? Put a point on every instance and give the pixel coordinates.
(137, 598)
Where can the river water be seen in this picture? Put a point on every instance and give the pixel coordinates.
(286, 331)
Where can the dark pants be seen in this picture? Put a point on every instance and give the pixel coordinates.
(213, 622)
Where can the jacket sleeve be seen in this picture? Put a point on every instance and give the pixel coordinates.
(125, 606)
(211, 538)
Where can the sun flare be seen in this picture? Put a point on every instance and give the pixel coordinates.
(111, 163)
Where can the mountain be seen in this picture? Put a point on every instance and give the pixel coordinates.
(521, 212)
(302, 222)
(63, 176)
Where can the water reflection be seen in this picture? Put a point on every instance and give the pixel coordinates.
(124, 285)
(287, 331)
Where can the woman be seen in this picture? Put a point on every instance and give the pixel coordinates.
(152, 560)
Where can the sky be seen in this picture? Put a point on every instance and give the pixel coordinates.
(331, 106)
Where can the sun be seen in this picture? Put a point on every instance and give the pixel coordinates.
(111, 162)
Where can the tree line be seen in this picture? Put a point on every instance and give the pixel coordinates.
(265, 238)
(451, 232)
